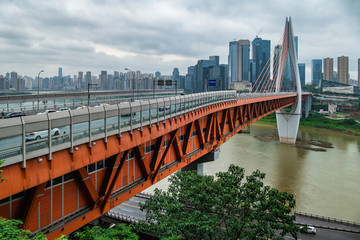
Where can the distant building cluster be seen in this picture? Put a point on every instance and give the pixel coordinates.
(247, 61)
(323, 69)
(104, 81)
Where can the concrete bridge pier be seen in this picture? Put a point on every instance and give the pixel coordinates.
(198, 165)
(307, 106)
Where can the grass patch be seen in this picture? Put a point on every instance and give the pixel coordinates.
(347, 125)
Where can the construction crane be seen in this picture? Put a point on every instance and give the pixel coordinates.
(257, 35)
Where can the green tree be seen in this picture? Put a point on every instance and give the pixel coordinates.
(230, 206)
(11, 229)
(120, 231)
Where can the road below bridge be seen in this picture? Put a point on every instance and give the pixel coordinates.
(327, 228)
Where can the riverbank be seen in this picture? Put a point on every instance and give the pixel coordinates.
(349, 126)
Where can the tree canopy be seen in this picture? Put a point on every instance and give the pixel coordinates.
(120, 231)
(228, 206)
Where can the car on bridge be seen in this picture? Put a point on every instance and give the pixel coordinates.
(14, 114)
(41, 134)
(47, 111)
(64, 109)
(102, 105)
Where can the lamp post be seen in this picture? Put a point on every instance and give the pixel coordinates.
(133, 83)
(90, 84)
(38, 93)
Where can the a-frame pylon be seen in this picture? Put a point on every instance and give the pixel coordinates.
(288, 122)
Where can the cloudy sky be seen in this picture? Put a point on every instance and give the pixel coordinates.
(158, 35)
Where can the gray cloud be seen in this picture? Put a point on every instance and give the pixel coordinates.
(160, 35)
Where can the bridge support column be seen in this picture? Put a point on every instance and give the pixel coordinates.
(287, 125)
(198, 165)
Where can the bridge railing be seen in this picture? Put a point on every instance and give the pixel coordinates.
(38, 135)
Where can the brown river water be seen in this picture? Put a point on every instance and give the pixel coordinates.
(325, 182)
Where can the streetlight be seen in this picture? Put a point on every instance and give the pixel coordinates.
(133, 83)
(38, 93)
(89, 84)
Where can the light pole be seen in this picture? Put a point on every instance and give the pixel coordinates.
(38, 93)
(90, 84)
(133, 83)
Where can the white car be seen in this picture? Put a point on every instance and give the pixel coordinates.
(47, 111)
(309, 229)
(41, 134)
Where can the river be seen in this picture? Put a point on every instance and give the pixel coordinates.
(325, 183)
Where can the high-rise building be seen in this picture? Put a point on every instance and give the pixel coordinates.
(80, 80)
(88, 77)
(60, 72)
(243, 60)
(276, 60)
(224, 75)
(316, 71)
(359, 72)
(176, 77)
(215, 59)
(2, 83)
(261, 56)
(157, 74)
(189, 79)
(103, 80)
(288, 79)
(13, 80)
(343, 69)
(302, 73)
(232, 61)
(328, 69)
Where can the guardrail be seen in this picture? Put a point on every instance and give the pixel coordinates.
(329, 219)
(92, 123)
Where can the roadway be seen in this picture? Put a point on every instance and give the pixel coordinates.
(129, 211)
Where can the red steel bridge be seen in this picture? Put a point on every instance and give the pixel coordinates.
(81, 163)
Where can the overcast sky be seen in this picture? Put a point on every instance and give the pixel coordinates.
(84, 35)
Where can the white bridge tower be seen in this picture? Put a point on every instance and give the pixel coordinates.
(288, 122)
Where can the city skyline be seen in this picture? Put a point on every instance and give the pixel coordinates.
(160, 36)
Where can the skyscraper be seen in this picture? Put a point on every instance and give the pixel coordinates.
(80, 80)
(343, 69)
(176, 77)
(359, 72)
(103, 80)
(316, 71)
(277, 52)
(60, 72)
(13, 80)
(328, 69)
(88, 77)
(232, 61)
(302, 73)
(289, 79)
(243, 60)
(261, 56)
(215, 59)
